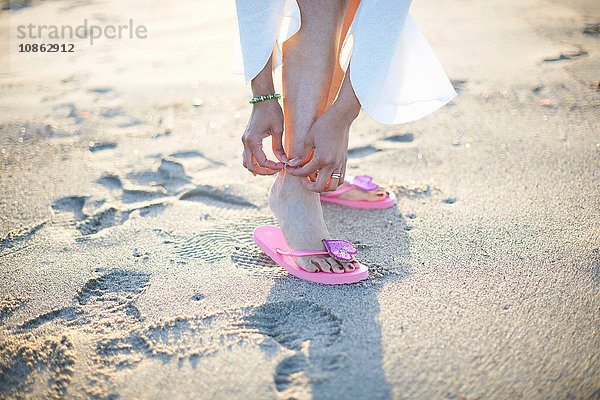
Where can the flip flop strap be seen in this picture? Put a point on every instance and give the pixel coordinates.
(301, 253)
(339, 191)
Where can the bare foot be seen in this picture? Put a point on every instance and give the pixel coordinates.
(357, 194)
(300, 217)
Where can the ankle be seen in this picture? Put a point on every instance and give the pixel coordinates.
(286, 182)
(288, 187)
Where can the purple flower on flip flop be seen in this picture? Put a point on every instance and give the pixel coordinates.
(340, 249)
(364, 182)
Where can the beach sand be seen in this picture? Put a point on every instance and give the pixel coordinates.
(127, 264)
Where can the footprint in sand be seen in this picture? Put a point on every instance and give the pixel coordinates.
(116, 287)
(105, 309)
(68, 110)
(121, 118)
(195, 154)
(228, 242)
(63, 315)
(168, 180)
(71, 204)
(112, 182)
(233, 242)
(169, 175)
(415, 192)
(401, 138)
(10, 304)
(100, 90)
(16, 240)
(198, 297)
(139, 195)
(90, 216)
(362, 151)
(170, 169)
(109, 297)
(216, 196)
(101, 220)
(107, 93)
(293, 373)
(94, 147)
(567, 55)
(42, 367)
(292, 324)
(592, 29)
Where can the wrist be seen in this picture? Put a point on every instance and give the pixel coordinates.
(262, 88)
(262, 84)
(346, 104)
(258, 99)
(346, 111)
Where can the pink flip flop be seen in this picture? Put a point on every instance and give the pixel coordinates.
(362, 182)
(270, 240)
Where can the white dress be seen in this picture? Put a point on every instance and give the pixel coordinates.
(394, 72)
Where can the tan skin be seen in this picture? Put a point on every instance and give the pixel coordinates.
(316, 129)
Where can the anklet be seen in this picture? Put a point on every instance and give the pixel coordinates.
(266, 97)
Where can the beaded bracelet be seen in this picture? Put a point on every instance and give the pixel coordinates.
(266, 97)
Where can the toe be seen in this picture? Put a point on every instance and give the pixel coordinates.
(336, 266)
(308, 266)
(380, 194)
(348, 267)
(322, 264)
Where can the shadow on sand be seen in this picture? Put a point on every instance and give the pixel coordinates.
(334, 330)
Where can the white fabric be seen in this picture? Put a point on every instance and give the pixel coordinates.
(393, 70)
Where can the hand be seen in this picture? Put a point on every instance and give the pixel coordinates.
(266, 119)
(327, 143)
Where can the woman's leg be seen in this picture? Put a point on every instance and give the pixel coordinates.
(338, 73)
(309, 59)
(336, 82)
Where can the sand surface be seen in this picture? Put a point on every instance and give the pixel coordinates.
(127, 264)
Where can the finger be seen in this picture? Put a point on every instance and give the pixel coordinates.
(336, 180)
(261, 158)
(321, 182)
(341, 180)
(303, 158)
(332, 184)
(307, 169)
(277, 142)
(257, 169)
(247, 158)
